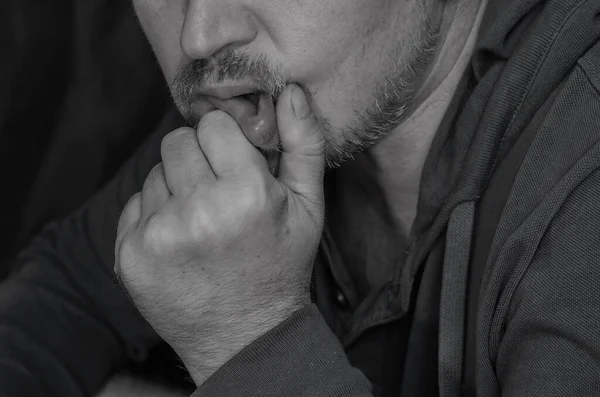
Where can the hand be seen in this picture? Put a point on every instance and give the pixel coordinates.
(215, 251)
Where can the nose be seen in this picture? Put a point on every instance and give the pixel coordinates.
(213, 25)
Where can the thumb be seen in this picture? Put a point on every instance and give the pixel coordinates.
(302, 163)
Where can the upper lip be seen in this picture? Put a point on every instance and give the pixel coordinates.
(225, 92)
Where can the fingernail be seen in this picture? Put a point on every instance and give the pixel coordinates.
(299, 103)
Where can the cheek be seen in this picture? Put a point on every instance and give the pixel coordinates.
(161, 21)
(317, 36)
(327, 49)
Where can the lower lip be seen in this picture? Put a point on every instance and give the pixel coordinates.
(257, 123)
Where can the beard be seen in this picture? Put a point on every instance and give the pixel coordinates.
(390, 101)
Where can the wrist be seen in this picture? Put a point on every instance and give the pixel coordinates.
(198, 371)
(211, 349)
(203, 356)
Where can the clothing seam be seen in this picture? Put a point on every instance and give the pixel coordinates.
(542, 62)
(591, 174)
(589, 79)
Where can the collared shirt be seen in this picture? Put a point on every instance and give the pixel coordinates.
(359, 255)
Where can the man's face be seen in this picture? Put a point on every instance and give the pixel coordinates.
(359, 61)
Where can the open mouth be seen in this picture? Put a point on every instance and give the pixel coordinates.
(254, 98)
(259, 100)
(254, 112)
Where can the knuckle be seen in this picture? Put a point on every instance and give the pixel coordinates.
(133, 201)
(262, 201)
(170, 139)
(128, 214)
(307, 137)
(215, 125)
(315, 147)
(158, 236)
(311, 146)
(126, 251)
(126, 247)
(173, 140)
(156, 173)
(255, 196)
(198, 222)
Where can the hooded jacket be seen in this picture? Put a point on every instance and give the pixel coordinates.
(501, 278)
(500, 283)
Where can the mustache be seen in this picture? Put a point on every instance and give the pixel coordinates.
(231, 66)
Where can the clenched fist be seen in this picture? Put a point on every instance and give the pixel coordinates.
(215, 251)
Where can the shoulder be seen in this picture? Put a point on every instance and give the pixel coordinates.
(550, 322)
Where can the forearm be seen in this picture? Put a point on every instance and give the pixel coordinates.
(65, 323)
(52, 341)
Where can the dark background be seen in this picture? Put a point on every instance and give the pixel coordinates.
(79, 90)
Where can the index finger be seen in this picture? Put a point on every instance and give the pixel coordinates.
(226, 147)
(183, 161)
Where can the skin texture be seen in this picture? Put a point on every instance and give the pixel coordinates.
(359, 61)
(378, 73)
(215, 251)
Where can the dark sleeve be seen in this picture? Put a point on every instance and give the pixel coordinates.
(300, 357)
(65, 324)
(551, 344)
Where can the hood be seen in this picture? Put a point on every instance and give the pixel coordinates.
(525, 49)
